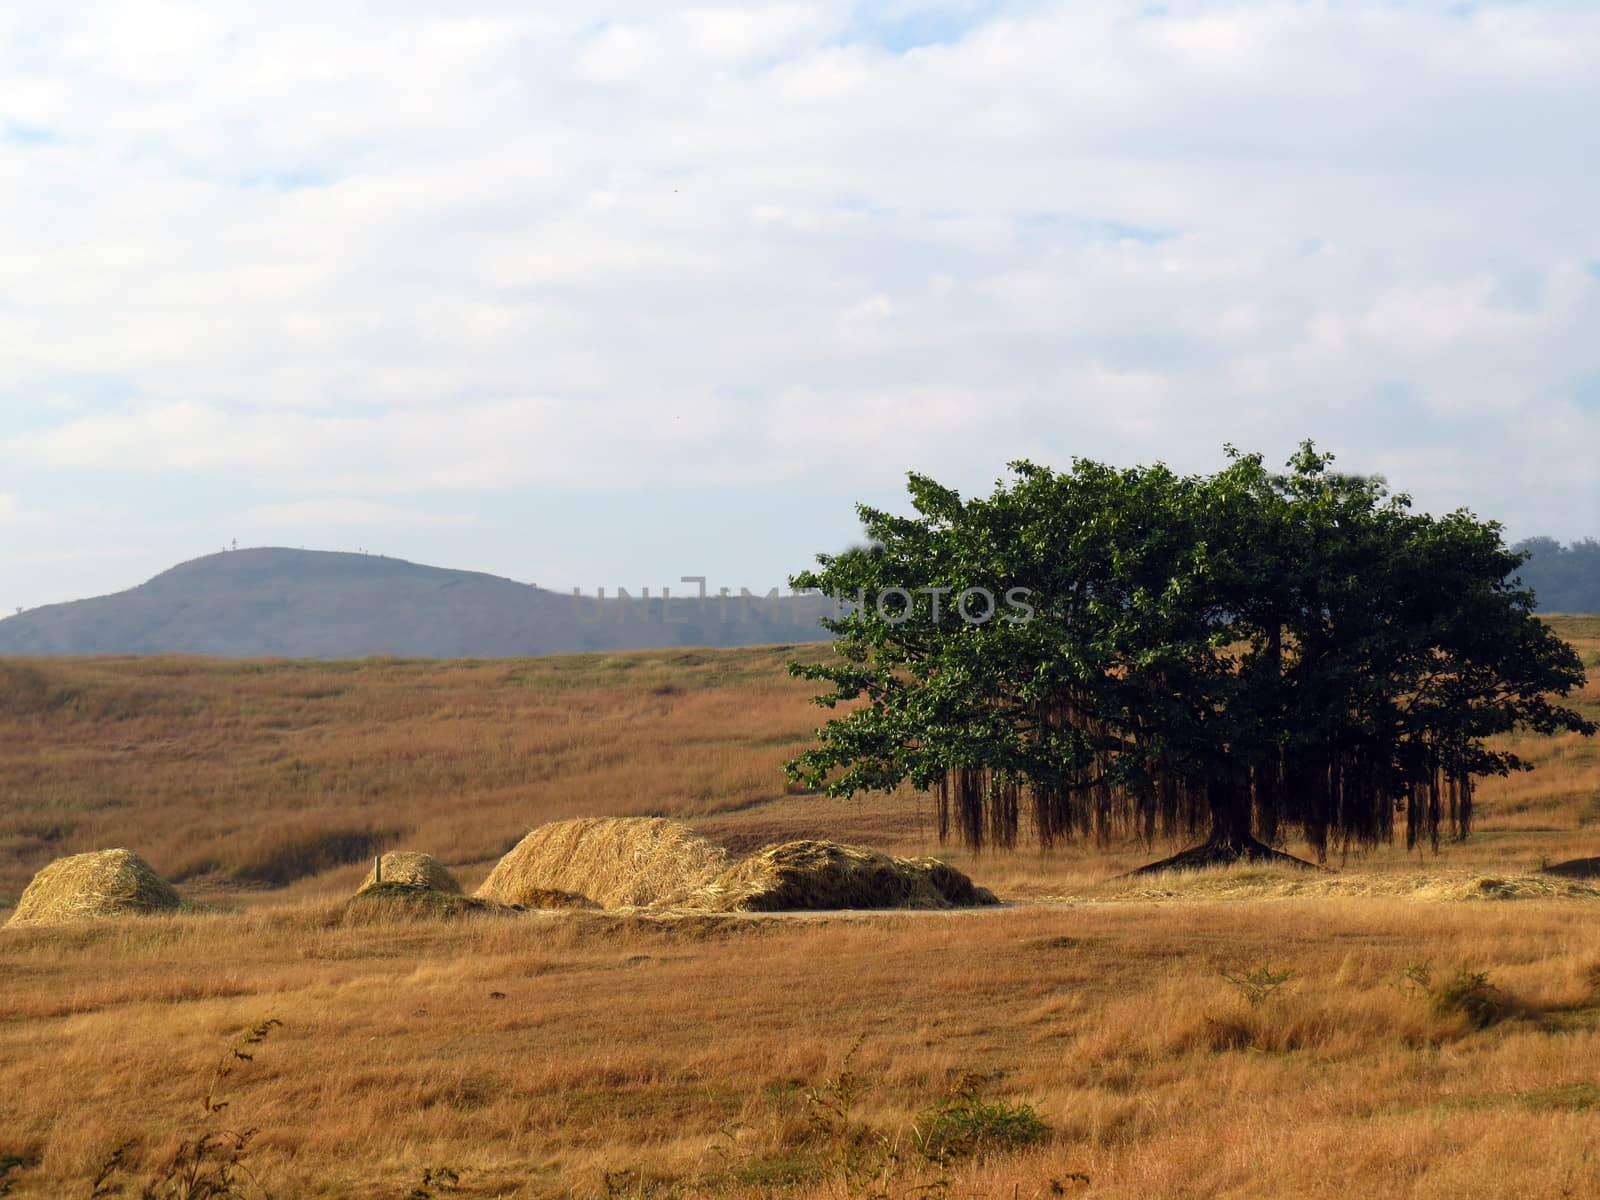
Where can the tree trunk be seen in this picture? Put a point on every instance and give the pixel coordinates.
(1232, 838)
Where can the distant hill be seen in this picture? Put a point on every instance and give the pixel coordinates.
(315, 604)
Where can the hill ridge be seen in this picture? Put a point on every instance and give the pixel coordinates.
(276, 601)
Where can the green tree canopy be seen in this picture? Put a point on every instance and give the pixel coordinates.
(1100, 652)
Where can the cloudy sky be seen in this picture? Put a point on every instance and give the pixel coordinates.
(609, 293)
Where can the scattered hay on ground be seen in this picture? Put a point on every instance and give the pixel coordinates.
(614, 862)
(813, 875)
(414, 870)
(93, 886)
(550, 898)
(1245, 883)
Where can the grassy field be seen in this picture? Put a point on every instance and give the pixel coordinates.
(1411, 1025)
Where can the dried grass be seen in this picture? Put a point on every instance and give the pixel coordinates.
(410, 868)
(816, 875)
(614, 862)
(87, 887)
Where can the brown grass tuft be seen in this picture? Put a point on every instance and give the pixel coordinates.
(85, 887)
(412, 869)
(815, 875)
(615, 862)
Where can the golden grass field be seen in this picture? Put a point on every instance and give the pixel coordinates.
(595, 1054)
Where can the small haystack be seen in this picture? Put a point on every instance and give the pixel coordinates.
(379, 901)
(411, 869)
(87, 887)
(614, 862)
(811, 875)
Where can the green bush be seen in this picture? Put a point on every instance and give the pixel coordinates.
(968, 1126)
(1471, 994)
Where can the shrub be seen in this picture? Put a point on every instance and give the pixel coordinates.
(1259, 984)
(968, 1126)
(434, 1180)
(877, 1165)
(1471, 994)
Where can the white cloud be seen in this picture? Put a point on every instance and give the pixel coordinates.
(621, 54)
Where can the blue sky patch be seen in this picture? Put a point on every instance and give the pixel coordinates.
(932, 25)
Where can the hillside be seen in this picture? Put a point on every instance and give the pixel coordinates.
(316, 604)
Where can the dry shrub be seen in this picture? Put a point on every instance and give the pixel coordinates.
(615, 862)
(810, 875)
(412, 869)
(84, 887)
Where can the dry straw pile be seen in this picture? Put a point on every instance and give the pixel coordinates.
(811, 875)
(614, 862)
(86, 887)
(411, 869)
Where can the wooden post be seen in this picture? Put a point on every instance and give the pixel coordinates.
(377, 868)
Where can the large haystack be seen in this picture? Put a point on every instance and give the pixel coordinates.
(614, 862)
(87, 887)
(952, 884)
(411, 869)
(810, 875)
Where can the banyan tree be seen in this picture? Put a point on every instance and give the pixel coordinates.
(1232, 659)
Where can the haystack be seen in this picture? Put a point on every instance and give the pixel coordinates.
(615, 862)
(379, 901)
(954, 886)
(812, 875)
(87, 887)
(412, 869)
